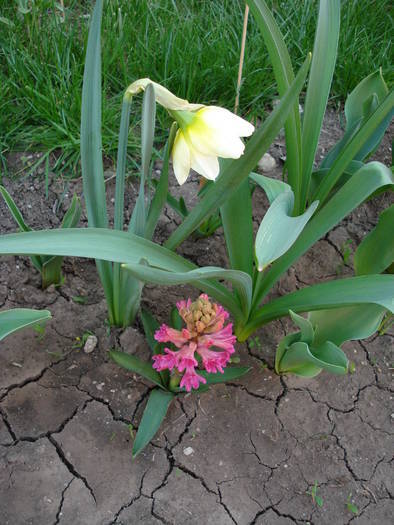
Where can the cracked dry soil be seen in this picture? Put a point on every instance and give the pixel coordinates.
(258, 446)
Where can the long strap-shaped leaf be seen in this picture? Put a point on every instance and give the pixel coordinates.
(367, 289)
(108, 245)
(353, 146)
(235, 172)
(363, 183)
(17, 318)
(91, 147)
(241, 281)
(322, 69)
(284, 77)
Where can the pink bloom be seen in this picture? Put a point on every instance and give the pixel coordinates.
(185, 357)
(166, 334)
(204, 328)
(163, 361)
(191, 380)
(213, 361)
(222, 339)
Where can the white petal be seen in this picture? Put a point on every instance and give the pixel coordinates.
(162, 95)
(216, 143)
(205, 165)
(181, 157)
(221, 118)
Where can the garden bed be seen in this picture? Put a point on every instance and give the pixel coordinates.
(262, 450)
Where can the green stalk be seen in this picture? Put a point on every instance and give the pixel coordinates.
(119, 195)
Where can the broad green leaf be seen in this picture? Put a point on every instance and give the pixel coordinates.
(153, 416)
(236, 171)
(366, 181)
(176, 320)
(346, 324)
(91, 148)
(350, 170)
(130, 298)
(237, 221)
(322, 69)
(283, 346)
(307, 332)
(376, 252)
(358, 107)
(132, 363)
(279, 230)
(284, 77)
(138, 218)
(272, 187)
(241, 281)
(367, 289)
(17, 318)
(108, 245)
(301, 360)
(160, 196)
(358, 140)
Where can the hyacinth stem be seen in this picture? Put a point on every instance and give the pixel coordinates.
(175, 379)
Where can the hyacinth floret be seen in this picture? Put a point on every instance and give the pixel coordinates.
(204, 329)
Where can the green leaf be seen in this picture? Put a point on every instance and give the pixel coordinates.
(299, 359)
(283, 346)
(237, 220)
(355, 144)
(284, 77)
(160, 196)
(154, 414)
(236, 171)
(366, 181)
(132, 363)
(359, 105)
(17, 318)
(279, 230)
(51, 271)
(241, 281)
(272, 187)
(376, 252)
(91, 148)
(346, 324)
(18, 218)
(307, 332)
(176, 319)
(138, 218)
(109, 245)
(73, 214)
(322, 69)
(229, 374)
(368, 289)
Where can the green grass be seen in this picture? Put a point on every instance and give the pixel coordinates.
(191, 46)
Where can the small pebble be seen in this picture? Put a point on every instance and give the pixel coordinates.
(188, 450)
(267, 162)
(90, 345)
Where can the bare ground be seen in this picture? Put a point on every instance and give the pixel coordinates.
(243, 453)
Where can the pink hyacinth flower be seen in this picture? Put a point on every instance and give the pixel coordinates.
(222, 339)
(191, 380)
(213, 361)
(164, 361)
(204, 328)
(166, 334)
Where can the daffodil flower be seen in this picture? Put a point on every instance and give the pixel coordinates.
(205, 133)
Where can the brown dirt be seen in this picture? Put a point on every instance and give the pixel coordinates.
(258, 445)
